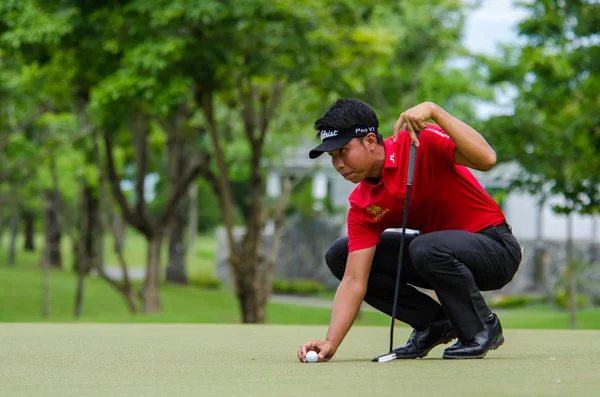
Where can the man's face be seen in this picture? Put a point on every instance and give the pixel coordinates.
(353, 161)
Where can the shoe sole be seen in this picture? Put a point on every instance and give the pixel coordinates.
(496, 345)
(446, 339)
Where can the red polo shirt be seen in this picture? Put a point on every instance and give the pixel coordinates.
(444, 195)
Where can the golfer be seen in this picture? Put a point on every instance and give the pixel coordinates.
(463, 245)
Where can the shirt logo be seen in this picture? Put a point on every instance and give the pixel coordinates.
(392, 159)
(376, 211)
(438, 133)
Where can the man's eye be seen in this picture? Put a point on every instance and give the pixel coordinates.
(343, 150)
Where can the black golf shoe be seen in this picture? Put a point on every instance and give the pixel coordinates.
(489, 338)
(420, 343)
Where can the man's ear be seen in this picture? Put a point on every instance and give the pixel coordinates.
(371, 140)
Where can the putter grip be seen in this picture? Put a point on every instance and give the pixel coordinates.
(411, 164)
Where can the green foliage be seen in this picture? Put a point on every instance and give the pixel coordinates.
(554, 130)
(209, 212)
(255, 73)
(561, 287)
(301, 201)
(403, 56)
(561, 300)
(298, 287)
(201, 280)
(515, 301)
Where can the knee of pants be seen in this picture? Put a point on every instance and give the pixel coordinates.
(336, 256)
(426, 254)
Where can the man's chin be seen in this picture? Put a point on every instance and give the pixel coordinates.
(354, 178)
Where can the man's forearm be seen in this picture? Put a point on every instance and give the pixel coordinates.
(346, 305)
(469, 142)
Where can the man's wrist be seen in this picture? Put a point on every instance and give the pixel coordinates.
(333, 344)
(436, 111)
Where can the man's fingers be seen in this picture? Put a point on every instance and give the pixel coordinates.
(415, 125)
(312, 345)
(324, 353)
(398, 126)
(413, 135)
(304, 349)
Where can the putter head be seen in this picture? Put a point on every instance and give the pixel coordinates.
(385, 358)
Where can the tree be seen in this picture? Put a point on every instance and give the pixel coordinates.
(400, 56)
(223, 86)
(554, 129)
(141, 106)
(57, 47)
(27, 85)
(253, 55)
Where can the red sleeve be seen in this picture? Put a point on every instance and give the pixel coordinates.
(437, 142)
(360, 235)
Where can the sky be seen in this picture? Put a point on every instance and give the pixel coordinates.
(493, 23)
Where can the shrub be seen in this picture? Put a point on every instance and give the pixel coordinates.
(298, 287)
(562, 300)
(204, 281)
(511, 301)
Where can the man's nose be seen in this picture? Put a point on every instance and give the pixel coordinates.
(338, 163)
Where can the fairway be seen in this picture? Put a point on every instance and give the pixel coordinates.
(250, 360)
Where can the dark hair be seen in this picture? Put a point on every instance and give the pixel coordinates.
(348, 113)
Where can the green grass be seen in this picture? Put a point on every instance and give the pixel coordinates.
(200, 263)
(260, 361)
(20, 296)
(20, 301)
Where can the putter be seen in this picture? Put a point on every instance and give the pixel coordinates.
(411, 169)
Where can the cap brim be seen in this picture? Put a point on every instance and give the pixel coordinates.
(329, 146)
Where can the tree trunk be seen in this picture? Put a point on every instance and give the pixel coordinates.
(1, 228)
(190, 247)
(247, 267)
(79, 289)
(593, 250)
(571, 273)
(115, 225)
(118, 226)
(151, 291)
(88, 245)
(52, 230)
(92, 228)
(45, 286)
(251, 270)
(14, 232)
(116, 229)
(46, 277)
(176, 269)
(29, 219)
(541, 264)
(100, 239)
(249, 292)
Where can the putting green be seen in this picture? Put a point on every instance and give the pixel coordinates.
(253, 360)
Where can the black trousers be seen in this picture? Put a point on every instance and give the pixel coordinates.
(454, 263)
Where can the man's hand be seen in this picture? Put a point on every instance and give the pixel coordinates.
(415, 118)
(325, 350)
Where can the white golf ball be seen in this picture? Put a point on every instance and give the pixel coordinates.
(312, 357)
